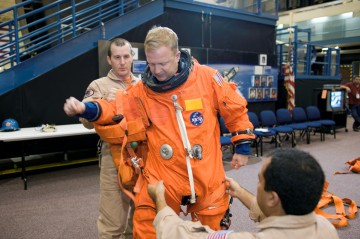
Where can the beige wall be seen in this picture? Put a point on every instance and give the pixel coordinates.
(5, 4)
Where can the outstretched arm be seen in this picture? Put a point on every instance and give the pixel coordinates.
(346, 88)
(89, 110)
(74, 107)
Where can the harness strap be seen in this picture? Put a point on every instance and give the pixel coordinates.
(187, 146)
(127, 192)
(328, 198)
(199, 206)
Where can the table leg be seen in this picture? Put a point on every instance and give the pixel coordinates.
(23, 166)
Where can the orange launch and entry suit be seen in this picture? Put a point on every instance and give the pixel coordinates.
(201, 97)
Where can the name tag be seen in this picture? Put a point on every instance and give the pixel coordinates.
(195, 104)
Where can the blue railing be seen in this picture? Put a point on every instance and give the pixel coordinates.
(308, 60)
(258, 7)
(35, 41)
(62, 21)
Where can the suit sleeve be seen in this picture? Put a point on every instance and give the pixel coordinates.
(232, 107)
(170, 225)
(92, 92)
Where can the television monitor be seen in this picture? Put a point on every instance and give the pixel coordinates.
(139, 67)
(335, 100)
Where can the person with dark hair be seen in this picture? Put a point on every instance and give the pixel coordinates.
(289, 188)
(115, 209)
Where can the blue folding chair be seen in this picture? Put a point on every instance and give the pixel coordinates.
(299, 116)
(268, 119)
(284, 117)
(260, 133)
(314, 115)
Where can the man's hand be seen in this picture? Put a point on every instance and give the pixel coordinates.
(157, 194)
(73, 107)
(233, 187)
(235, 190)
(239, 160)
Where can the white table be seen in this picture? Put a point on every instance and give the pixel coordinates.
(34, 133)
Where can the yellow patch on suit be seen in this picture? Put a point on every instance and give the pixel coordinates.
(195, 104)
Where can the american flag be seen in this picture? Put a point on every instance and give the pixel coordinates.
(219, 79)
(219, 234)
(289, 82)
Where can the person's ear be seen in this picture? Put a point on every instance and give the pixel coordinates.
(177, 55)
(273, 199)
(108, 60)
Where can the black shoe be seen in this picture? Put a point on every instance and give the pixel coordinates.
(356, 129)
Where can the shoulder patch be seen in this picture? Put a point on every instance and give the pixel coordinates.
(219, 79)
(89, 92)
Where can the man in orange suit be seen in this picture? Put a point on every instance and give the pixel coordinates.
(181, 99)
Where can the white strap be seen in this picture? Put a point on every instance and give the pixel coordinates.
(187, 146)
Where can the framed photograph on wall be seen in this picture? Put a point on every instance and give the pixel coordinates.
(255, 81)
(270, 81)
(262, 59)
(273, 93)
(252, 93)
(259, 93)
(263, 81)
(267, 93)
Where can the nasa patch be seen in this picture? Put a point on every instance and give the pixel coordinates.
(89, 92)
(196, 118)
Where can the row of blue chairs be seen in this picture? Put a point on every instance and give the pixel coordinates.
(281, 125)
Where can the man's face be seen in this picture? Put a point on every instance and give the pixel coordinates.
(262, 196)
(121, 61)
(163, 62)
(357, 80)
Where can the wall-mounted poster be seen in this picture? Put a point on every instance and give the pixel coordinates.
(256, 83)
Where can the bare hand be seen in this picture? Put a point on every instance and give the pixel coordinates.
(111, 94)
(157, 190)
(233, 187)
(73, 107)
(239, 160)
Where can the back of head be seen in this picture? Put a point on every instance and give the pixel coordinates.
(297, 178)
(161, 36)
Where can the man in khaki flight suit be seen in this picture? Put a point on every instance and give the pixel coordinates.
(290, 184)
(115, 219)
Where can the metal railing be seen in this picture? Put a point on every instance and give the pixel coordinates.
(33, 30)
(258, 7)
(308, 60)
